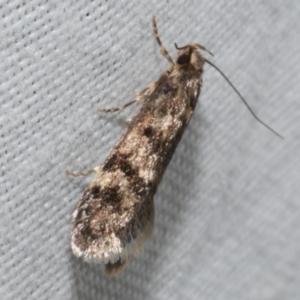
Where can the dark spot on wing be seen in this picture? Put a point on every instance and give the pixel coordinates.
(149, 131)
(95, 191)
(110, 195)
(109, 163)
(126, 168)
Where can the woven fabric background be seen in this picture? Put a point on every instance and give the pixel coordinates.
(228, 209)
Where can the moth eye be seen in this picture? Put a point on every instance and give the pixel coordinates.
(183, 59)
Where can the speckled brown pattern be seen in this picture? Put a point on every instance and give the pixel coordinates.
(114, 217)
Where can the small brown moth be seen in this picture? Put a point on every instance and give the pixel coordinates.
(114, 217)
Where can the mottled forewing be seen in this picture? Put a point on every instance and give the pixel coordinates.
(114, 216)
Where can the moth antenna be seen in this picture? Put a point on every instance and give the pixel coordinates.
(162, 49)
(180, 48)
(204, 49)
(197, 45)
(243, 99)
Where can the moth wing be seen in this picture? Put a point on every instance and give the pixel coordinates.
(110, 233)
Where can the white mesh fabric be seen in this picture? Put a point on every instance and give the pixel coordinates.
(227, 211)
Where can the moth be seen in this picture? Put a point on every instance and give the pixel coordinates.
(114, 217)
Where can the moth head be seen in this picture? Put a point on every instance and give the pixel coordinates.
(189, 54)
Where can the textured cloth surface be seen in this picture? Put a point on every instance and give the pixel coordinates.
(227, 211)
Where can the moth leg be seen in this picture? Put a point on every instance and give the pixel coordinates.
(110, 110)
(140, 97)
(162, 49)
(83, 173)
